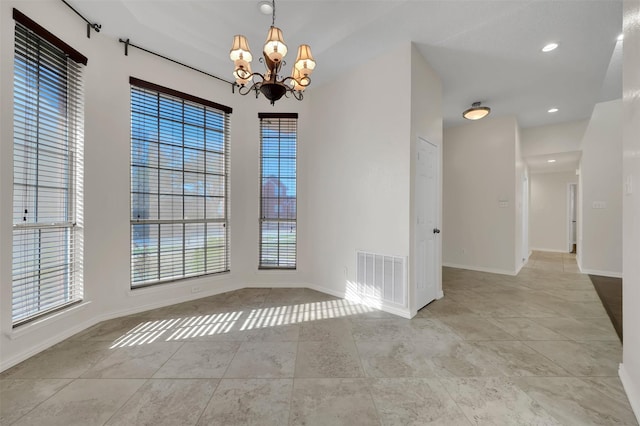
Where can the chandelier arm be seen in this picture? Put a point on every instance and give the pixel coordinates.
(299, 82)
(245, 90)
(284, 80)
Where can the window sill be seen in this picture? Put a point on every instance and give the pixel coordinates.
(268, 271)
(178, 283)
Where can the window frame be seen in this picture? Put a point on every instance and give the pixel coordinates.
(291, 122)
(46, 272)
(174, 97)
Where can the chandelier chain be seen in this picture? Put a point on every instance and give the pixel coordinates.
(273, 14)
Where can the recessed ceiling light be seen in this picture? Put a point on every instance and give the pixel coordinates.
(551, 161)
(549, 47)
(266, 7)
(553, 110)
(620, 37)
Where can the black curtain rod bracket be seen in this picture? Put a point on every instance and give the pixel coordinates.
(126, 46)
(90, 25)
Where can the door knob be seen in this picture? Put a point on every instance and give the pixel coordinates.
(436, 231)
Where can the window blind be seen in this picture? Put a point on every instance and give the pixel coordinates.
(179, 185)
(278, 232)
(47, 173)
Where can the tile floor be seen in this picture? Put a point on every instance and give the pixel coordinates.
(549, 261)
(497, 350)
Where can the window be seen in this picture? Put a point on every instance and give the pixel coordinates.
(278, 190)
(179, 185)
(47, 172)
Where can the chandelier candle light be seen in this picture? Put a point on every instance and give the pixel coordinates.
(272, 86)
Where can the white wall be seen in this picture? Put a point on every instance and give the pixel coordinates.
(600, 242)
(107, 153)
(563, 137)
(630, 367)
(426, 122)
(548, 217)
(479, 174)
(360, 174)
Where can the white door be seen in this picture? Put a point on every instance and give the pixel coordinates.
(427, 228)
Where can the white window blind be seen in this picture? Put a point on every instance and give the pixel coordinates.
(179, 185)
(47, 172)
(278, 140)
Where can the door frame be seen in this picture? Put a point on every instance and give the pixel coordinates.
(526, 252)
(569, 218)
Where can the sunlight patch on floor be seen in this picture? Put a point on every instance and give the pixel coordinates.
(200, 326)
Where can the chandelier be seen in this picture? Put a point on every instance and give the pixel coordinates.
(271, 83)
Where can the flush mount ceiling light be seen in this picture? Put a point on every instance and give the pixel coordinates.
(552, 110)
(271, 84)
(549, 47)
(476, 112)
(551, 161)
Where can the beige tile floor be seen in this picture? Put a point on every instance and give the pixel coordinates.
(497, 350)
(549, 261)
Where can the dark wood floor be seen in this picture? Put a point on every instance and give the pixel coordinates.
(610, 292)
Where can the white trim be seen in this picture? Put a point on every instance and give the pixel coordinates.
(631, 389)
(278, 284)
(569, 219)
(519, 267)
(480, 269)
(45, 321)
(601, 273)
(45, 344)
(549, 250)
(401, 311)
(59, 337)
(187, 284)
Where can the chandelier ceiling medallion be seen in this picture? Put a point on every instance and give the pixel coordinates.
(271, 84)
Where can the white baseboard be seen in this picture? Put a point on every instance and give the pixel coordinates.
(59, 337)
(632, 390)
(549, 250)
(327, 290)
(519, 268)
(47, 343)
(480, 269)
(601, 273)
(370, 302)
(276, 285)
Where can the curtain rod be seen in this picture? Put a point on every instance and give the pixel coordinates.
(96, 27)
(128, 44)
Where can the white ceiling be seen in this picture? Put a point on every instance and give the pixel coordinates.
(565, 162)
(485, 51)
